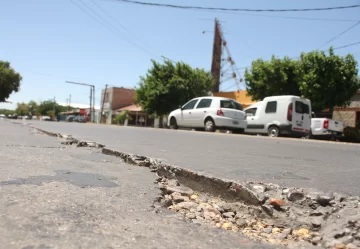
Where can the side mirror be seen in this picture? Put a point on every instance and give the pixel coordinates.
(180, 107)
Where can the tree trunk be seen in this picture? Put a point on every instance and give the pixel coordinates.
(161, 122)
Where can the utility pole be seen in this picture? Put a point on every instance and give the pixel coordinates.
(69, 102)
(54, 105)
(93, 110)
(102, 106)
(216, 57)
(92, 89)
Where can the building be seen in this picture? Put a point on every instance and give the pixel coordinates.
(114, 98)
(137, 116)
(240, 96)
(350, 114)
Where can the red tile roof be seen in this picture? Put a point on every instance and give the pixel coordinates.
(133, 108)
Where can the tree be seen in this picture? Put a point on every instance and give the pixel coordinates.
(327, 80)
(32, 106)
(9, 80)
(168, 85)
(274, 77)
(50, 105)
(22, 109)
(120, 118)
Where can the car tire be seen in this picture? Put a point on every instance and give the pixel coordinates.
(273, 131)
(173, 124)
(209, 125)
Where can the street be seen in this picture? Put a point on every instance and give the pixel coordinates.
(289, 162)
(53, 196)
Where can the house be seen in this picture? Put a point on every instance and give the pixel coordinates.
(350, 114)
(114, 98)
(137, 116)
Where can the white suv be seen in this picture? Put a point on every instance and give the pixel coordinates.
(209, 113)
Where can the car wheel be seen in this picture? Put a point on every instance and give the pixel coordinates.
(210, 125)
(273, 131)
(173, 124)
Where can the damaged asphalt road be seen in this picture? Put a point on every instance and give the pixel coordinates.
(55, 197)
(287, 162)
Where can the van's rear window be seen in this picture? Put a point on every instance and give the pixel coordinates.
(301, 107)
(230, 105)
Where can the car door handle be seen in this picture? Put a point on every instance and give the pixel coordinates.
(204, 111)
(189, 112)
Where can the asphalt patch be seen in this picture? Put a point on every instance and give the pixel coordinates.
(82, 180)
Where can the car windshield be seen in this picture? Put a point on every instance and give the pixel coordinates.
(230, 104)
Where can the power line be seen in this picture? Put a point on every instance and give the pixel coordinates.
(108, 25)
(120, 24)
(235, 9)
(337, 36)
(348, 45)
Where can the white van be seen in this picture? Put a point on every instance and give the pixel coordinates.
(280, 115)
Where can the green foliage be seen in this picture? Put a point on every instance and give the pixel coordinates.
(120, 118)
(22, 109)
(168, 85)
(50, 105)
(32, 107)
(327, 80)
(9, 80)
(274, 77)
(7, 112)
(50, 113)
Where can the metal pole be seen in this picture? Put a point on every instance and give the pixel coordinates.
(69, 102)
(93, 104)
(102, 106)
(90, 103)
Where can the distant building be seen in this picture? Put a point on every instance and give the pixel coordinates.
(240, 96)
(137, 116)
(350, 114)
(114, 98)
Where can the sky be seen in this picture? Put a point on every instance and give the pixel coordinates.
(103, 42)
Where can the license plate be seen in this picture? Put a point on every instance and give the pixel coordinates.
(235, 122)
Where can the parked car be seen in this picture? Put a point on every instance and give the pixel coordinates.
(45, 118)
(2, 116)
(70, 118)
(280, 115)
(325, 127)
(209, 113)
(80, 119)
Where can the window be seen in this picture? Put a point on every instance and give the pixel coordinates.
(204, 103)
(230, 104)
(190, 105)
(301, 107)
(271, 107)
(251, 111)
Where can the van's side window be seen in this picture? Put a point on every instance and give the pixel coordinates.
(251, 111)
(271, 107)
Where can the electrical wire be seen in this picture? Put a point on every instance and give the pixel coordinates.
(108, 25)
(235, 9)
(120, 24)
(348, 45)
(337, 36)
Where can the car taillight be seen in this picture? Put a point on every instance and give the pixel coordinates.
(245, 116)
(219, 112)
(289, 113)
(326, 124)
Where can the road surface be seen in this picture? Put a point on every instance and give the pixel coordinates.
(64, 197)
(321, 165)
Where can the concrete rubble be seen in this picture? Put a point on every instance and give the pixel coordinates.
(261, 211)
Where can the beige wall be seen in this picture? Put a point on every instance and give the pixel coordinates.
(349, 117)
(355, 101)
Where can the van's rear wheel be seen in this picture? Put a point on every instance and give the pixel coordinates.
(173, 124)
(273, 131)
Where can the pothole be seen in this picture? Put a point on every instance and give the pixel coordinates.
(261, 211)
